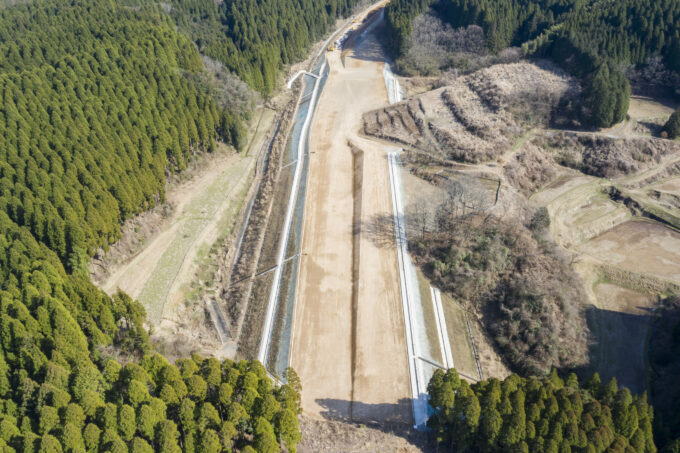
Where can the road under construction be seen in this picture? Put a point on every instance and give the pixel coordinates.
(348, 315)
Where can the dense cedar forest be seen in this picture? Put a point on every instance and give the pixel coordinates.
(100, 100)
(61, 389)
(98, 103)
(538, 415)
(254, 38)
(95, 109)
(590, 38)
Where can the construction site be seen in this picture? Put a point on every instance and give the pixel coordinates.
(314, 248)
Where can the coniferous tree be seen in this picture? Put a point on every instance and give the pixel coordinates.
(672, 127)
(535, 414)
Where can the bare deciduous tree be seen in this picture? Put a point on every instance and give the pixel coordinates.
(434, 43)
(229, 91)
(465, 196)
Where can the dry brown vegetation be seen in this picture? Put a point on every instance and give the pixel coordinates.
(526, 291)
(654, 78)
(476, 118)
(529, 169)
(603, 156)
(340, 436)
(517, 279)
(227, 88)
(435, 46)
(497, 259)
(235, 283)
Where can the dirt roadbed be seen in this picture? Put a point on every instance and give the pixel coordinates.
(348, 345)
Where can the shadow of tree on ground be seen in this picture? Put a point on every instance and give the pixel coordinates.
(390, 418)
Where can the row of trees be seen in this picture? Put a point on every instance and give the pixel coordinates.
(591, 40)
(60, 391)
(538, 415)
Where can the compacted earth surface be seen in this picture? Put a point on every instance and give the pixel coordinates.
(349, 343)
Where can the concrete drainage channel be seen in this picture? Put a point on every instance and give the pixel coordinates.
(421, 362)
(275, 343)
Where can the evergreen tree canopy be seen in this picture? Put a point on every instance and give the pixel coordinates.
(672, 126)
(254, 38)
(60, 392)
(94, 110)
(538, 415)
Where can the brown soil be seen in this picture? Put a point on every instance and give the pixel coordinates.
(414, 86)
(639, 246)
(360, 376)
(620, 325)
(336, 437)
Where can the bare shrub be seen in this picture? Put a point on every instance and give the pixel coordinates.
(465, 196)
(435, 45)
(529, 170)
(653, 78)
(523, 286)
(607, 157)
(230, 92)
(510, 55)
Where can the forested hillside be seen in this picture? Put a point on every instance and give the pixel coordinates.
(100, 100)
(95, 109)
(538, 415)
(254, 38)
(61, 388)
(97, 105)
(590, 39)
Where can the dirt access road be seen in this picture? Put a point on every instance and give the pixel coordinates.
(349, 343)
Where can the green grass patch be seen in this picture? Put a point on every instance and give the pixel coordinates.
(430, 320)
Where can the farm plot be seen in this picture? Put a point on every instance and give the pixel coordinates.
(620, 325)
(639, 246)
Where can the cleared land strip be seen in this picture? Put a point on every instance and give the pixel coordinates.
(407, 279)
(352, 360)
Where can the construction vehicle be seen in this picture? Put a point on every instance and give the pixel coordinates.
(331, 48)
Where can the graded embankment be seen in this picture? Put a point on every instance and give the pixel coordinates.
(350, 356)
